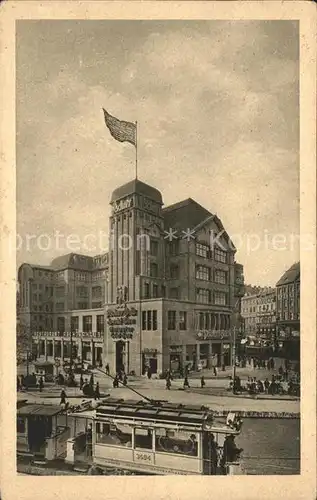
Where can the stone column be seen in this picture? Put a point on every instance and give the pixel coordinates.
(92, 350)
(45, 348)
(53, 348)
(62, 349)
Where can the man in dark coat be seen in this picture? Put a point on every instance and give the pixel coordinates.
(63, 397)
(97, 391)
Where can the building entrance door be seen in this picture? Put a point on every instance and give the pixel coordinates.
(120, 352)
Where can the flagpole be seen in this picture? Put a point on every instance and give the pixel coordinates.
(136, 149)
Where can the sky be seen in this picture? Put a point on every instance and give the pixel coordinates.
(217, 106)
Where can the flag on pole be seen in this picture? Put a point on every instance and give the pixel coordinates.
(120, 130)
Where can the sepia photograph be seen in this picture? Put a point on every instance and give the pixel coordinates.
(158, 265)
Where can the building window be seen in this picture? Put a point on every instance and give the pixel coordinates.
(203, 296)
(163, 291)
(220, 255)
(82, 305)
(154, 247)
(174, 271)
(100, 323)
(137, 262)
(171, 320)
(155, 290)
(202, 250)
(60, 291)
(183, 320)
(154, 320)
(149, 320)
(74, 323)
(96, 292)
(203, 273)
(87, 324)
(144, 320)
(146, 290)
(174, 293)
(60, 306)
(153, 270)
(114, 435)
(81, 291)
(220, 298)
(173, 247)
(220, 277)
(61, 324)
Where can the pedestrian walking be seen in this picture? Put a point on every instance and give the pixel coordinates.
(41, 384)
(18, 384)
(91, 381)
(186, 383)
(215, 371)
(97, 391)
(81, 382)
(149, 373)
(125, 379)
(63, 397)
(107, 369)
(202, 382)
(168, 384)
(115, 382)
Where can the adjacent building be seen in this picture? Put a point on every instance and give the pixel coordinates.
(166, 294)
(288, 311)
(63, 304)
(258, 307)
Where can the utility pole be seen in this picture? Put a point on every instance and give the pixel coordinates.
(234, 359)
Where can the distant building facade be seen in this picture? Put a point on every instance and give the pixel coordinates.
(288, 310)
(258, 309)
(64, 298)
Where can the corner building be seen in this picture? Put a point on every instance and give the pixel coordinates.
(172, 287)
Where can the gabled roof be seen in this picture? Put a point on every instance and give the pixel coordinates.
(188, 214)
(291, 275)
(184, 214)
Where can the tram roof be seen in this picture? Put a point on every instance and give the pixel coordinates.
(39, 409)
(155, 410)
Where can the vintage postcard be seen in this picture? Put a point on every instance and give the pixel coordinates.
(159, 249)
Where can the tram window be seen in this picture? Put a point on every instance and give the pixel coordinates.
(178, 442)
(143, 438)
(114, 435)
(20, 425)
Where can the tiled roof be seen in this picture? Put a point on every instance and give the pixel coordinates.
(290, 275)
(184, 214)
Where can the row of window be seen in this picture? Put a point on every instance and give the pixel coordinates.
(161, 440)
(205, 296)
(208, 274)
(203, 250)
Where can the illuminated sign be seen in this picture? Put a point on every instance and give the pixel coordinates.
(121, 205)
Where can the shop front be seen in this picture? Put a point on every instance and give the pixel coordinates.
(149, 360)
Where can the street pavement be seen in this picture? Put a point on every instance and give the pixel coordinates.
(214, 395)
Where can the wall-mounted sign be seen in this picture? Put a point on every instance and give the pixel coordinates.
(121, 205)
(210, 334)
(149, 350)
(122, 312)
(67, 335)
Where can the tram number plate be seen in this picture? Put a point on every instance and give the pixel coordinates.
(146, 458)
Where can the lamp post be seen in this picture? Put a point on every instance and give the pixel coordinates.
(234, 359)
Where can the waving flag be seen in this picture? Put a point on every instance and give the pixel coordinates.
(120, 130)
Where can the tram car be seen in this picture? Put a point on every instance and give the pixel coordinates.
(164, 439)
